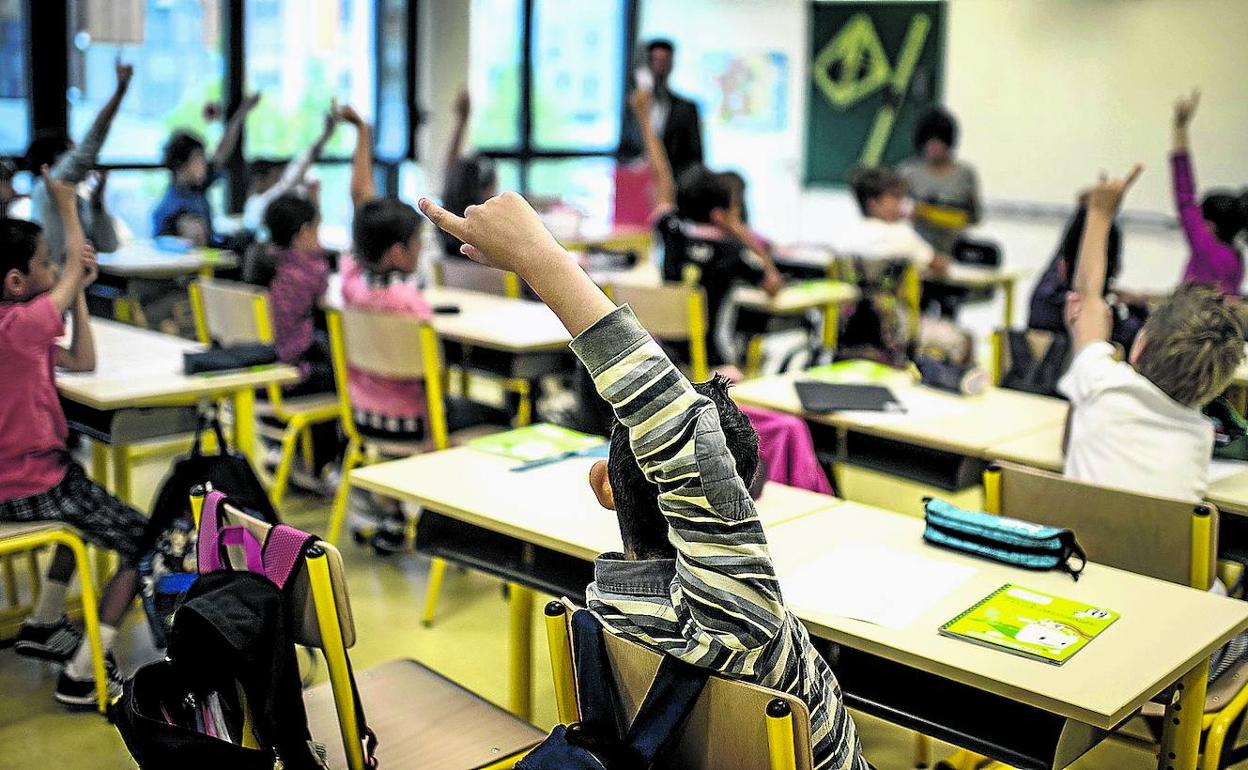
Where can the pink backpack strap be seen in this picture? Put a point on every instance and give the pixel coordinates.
(283, 553)
(208, 551)
(251, 546)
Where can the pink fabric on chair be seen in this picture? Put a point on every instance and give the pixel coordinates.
(789, 451)
(634, 196)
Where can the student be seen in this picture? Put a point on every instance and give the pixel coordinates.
(701, 228)
(300, 278)
(695, 580)
(884, 232)
(937, 178)
(468, 180)
(1214, 228)
(1137, 424)
(271, 180)
(7, 194)
(184, 209)
(39, 480)
(380, 275)
(71, 164)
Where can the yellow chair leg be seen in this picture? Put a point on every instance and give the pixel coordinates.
(521, 650)
(754, 356)
(99, 462)
(121, 472)
(343, 496)
(335, 655)
(307, 450)
(281, 477)
(437, 571)
(1181, 736)
(10, 582)
(103, 566)
(245, 425)
(922, 750)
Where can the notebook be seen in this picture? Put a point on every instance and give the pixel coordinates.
(1031, 624)
(823, 397)
(537, 442)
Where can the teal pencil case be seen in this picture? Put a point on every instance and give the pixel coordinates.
(1010, 541)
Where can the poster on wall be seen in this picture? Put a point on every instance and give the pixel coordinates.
(746, 91)
(874, 68)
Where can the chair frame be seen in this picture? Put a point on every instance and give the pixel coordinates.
(781, 737)
(695, 314)
(511, 282)
(297, 421)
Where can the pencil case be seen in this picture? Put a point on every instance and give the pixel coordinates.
(1009, 541)
(228, 358)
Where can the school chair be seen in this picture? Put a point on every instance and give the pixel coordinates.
(27, 538)
(229, 313)
(671, 312)
(734, 726)
(421, 719)
(1171, 540)
(465, 274)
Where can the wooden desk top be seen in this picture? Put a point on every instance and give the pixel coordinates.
(1230, 493)
(1041, 448)
(971, 277)
(512, 325)
(965, 425)
(1164, 629)
(621, 238)
(551, 506)
(141, 259)
(796, 297)
(136, 367)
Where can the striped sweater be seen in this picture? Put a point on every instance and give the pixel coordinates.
(718, 603)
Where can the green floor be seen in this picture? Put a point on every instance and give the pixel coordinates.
(466, 643)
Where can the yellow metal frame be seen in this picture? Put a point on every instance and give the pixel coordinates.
(90, 613)
(781, 737)
(511, 282)
(695, 310)
(999, 346)
(296, 421)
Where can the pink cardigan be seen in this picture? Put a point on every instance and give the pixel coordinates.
(1211, 260)
(786, 446)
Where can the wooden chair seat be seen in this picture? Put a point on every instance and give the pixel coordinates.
(422, 720)
(316, 402)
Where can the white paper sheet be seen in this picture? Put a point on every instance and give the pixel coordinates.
(872, 583)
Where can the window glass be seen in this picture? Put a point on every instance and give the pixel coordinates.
(578, 78)
(496, 29)
(14, 83)
(392, 128)
(175, 46)
(586, 184)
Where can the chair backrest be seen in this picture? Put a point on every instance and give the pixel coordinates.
(671, 312)
(465, 274)
(1172, 540)
(230, 313)
(727, 729)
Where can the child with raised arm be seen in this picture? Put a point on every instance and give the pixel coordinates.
(467, 180)
(39, 481)
(270, 181)
(695, 579)
(71, 164)
(1213, 227)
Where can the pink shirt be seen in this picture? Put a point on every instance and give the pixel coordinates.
(392, 294)
(297, 286)
(33, 457)
(1211, 260)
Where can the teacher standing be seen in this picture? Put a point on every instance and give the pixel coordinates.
(675, 119)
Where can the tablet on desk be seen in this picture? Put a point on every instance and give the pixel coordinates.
(825, 397)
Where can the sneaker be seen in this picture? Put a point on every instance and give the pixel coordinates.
(54, 642)
(80, 693)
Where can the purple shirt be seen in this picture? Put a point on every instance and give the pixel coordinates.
(298, 283)
(1211, 261)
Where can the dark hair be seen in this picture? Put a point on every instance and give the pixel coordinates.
(1072, 240)
(380, 224)
(467, 184)
(286, 216)
(1228, 213)
(179, 149)
(48, 145)
(660, 43)
(19, 240)
(699, 192)
(936, 123)
(871, 183)
(736, 189)
(642, 526)
(7, 170)
(263, 167)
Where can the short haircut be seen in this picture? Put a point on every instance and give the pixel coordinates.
(48, 145)
(286, 216)
(699, 192)
(660, 44)
(468, 182)
(1193, 343)
(1228, 212)
(871, 183)
(642, 526)
(179, 149)
(1072, 241)
(19, 240)
(381, 223)
(936, 123)
(736, 189)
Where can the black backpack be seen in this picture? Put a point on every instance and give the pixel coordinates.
(597, 742)
(1032, 375)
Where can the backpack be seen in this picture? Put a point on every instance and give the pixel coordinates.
(596, 743)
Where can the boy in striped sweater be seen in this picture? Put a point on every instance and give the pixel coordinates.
(695, 579)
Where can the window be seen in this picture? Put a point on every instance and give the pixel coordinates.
(392, 80)
(175, 46)
(301, 55)
(14, 84)
(578, 79)
(495, 40)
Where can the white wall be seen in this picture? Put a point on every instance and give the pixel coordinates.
(442, 46)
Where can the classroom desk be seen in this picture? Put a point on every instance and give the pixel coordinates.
(141, 259)
(137, 368)
(1040, 448)
(636, 240)
(1031, 713)
(550, 510)
(1230, 493)
(942, 440)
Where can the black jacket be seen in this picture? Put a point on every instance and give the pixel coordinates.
(682, 136)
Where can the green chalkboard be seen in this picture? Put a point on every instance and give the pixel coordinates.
(874, 68)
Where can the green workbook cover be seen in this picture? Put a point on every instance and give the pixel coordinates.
(1031, 624)
(858, 372)
(536, 442)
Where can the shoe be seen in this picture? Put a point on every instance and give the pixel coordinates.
(54, 642)
(80, 693)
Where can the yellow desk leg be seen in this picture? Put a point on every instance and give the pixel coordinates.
(1180, 739)
(754, 356)
(99, 462)
(245, 425)
(1007, 288)
(831, 322)
(121, 472)
(520, 647)
(10, 581)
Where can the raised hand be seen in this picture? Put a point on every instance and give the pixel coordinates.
(1107, 194)
(124, 73)
(639, 100)
(90, 265)
(250, 102)
(504, 232)
(463, 105)
(1185, 108)
(62, 193)
(347, 113)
